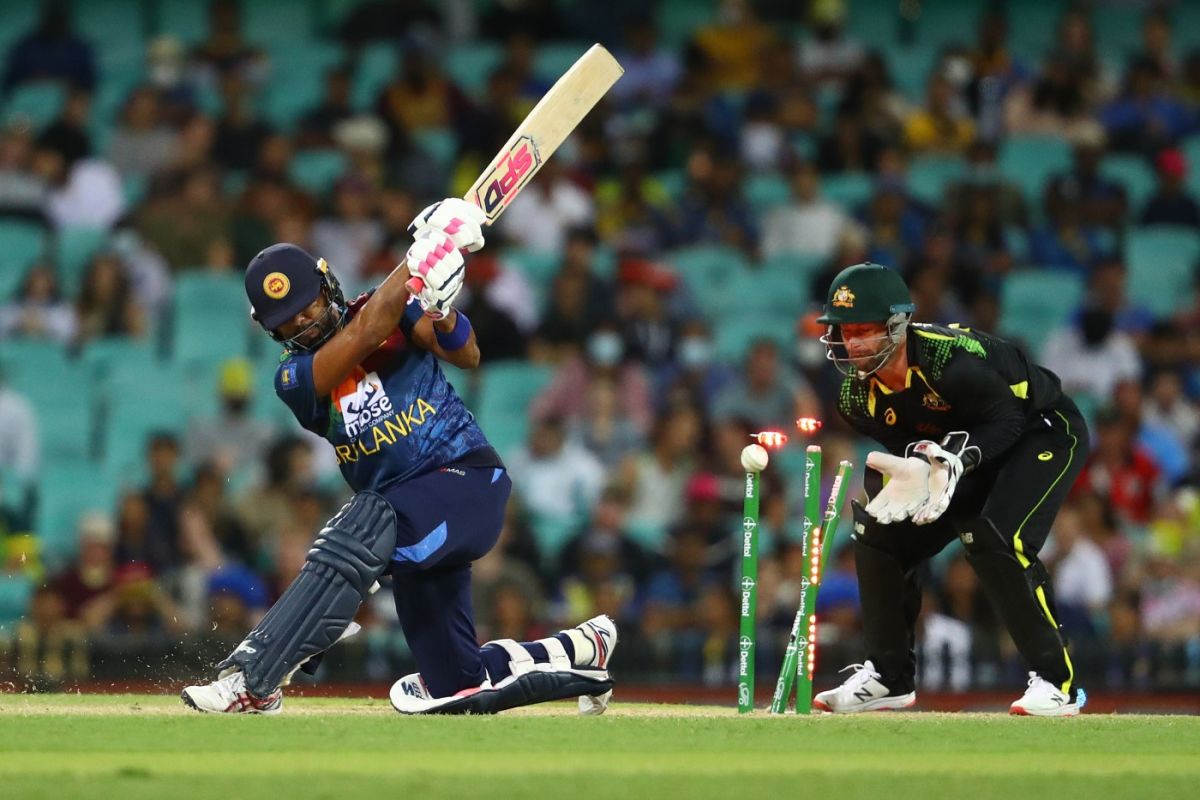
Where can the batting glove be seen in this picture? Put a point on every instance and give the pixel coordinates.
(441, 266)
(905, 491)
(455, 218)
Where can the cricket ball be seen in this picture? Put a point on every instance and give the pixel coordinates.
(754, 458)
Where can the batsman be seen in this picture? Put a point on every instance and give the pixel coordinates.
(430, 491)
(981, 445)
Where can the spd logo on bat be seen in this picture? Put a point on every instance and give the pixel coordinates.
(511, 172)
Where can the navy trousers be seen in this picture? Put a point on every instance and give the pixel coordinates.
(446, 519)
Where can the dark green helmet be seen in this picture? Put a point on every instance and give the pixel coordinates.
(859, 294)
(866, 293)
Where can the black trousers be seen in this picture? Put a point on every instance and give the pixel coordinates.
(1002, 512)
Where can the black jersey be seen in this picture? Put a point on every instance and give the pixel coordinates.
(958, 380)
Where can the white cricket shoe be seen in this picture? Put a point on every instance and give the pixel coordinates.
(862, 691)
(1043, 699)
(228, 695)
(601, 633)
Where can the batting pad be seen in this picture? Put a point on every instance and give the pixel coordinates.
(349, 553)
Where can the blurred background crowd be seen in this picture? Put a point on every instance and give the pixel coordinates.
(1031, 167)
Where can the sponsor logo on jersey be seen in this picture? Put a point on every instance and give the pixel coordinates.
(369, 417)
(843, 297)
(1045, 455)
(889, 416)
(287, 378)
(276, 285)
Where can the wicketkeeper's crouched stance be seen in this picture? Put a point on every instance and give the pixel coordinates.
(983, 446)
(430, 491)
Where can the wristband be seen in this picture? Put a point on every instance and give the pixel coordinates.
(455, 339)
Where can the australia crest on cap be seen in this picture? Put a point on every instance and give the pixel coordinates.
(843, 297)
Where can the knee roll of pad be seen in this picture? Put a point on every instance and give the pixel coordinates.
(350, 552)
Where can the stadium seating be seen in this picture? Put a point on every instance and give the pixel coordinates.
(40, 102)
(849, 189)
(469, 65)
(1035, 302)
(15, 591)
(506, 390)
(74, 249)
(60, 392)
(1162, 264)
(210, 317)
(763, 192)
(735, 335)
(1029, 161)
(21, 244)
(377, 66)
(317, 170)
(930, 176)
(65, 492)
(1135, 175)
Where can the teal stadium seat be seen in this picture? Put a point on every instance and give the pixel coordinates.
(210, 317)
(1162, 262)
(272, 22)
(297, 80)
(1135, 175)
(703, 268)
(21, 244)
(186, 20)
(317, 170)
(757, 290)
(506, 391)
(553, 59)
(15, 592)
(850, 190)
(74, 250)
(440, 144)
(734, 335)
(910, 68)
(377, 65)
(115, 28)
(930, 176)
(765, 192)
(40, 101)
(469, 65)
(678, 19)
(1035, 302)
(141, 394)
(1029, 161)
(62, 396)
(65, 491)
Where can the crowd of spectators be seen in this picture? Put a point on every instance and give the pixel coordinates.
(627, 480)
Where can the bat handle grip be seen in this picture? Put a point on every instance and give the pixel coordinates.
(415, 285)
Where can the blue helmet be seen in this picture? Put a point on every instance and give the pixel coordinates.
(281, 281)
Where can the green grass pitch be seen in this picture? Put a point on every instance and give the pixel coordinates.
(136, 746)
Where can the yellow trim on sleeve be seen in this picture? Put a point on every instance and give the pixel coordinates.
(1021, 389)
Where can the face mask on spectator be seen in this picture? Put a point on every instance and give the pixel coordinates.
(605, 349)
(694, 352)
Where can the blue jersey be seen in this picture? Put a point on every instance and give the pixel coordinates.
(393, 417)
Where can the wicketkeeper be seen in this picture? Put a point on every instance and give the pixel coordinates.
(430, 491)
(981, 445)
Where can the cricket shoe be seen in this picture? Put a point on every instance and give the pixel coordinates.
(862, 691)
(228, 695)
(1043, 699)
(601, 633)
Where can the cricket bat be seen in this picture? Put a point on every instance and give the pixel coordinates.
(537, 137)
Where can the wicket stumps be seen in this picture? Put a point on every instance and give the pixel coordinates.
(799, 659)
(749, 593)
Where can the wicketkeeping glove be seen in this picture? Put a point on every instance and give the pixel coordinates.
(442, 268)
(945, 468)
(906, 490)
(455, 218)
